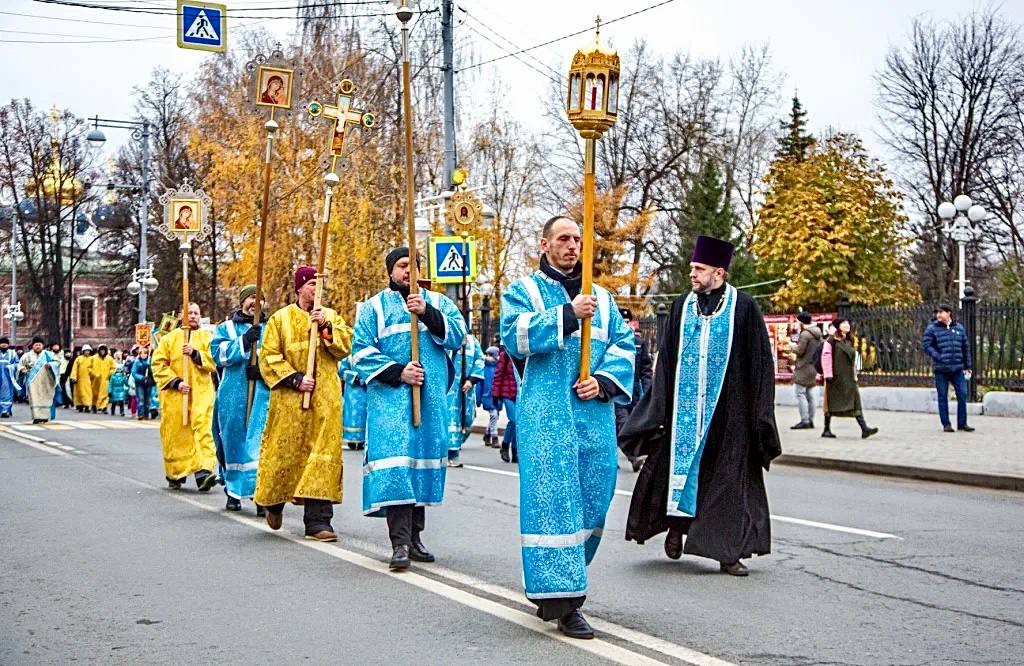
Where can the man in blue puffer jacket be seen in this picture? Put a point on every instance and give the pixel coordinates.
(945, 341)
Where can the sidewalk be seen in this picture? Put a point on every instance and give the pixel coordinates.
(909, 445)
(912, 445)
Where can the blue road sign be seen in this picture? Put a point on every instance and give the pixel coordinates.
(202, 26)
(451, 257)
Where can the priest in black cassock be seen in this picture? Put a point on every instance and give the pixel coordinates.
(708, 425)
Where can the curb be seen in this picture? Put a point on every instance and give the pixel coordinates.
(993, 481)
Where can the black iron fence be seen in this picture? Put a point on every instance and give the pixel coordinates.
(889, 342)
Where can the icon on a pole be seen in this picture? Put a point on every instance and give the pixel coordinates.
(202, 26)
(451, 258)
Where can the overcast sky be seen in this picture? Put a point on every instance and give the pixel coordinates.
(827, 49)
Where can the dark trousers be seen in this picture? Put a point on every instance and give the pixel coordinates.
(116, 404)
(959, 382)
(316, 514)
(143, 399)
(405, 522)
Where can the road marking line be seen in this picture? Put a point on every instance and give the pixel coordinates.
(82, 425)
(601, 648)
(20, 439)
(110, 424)
(781, 519)
(57, 426)
(25, 426)
(653, 643)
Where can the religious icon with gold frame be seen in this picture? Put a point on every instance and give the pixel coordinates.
(274, 87)
(186, 213)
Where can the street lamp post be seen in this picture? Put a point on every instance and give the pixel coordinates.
(959, 220)
(140, 132)
(485, 288)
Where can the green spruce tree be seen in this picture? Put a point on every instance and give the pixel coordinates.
(707, 211)
(794, 143)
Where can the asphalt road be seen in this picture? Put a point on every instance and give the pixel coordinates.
(102, 564)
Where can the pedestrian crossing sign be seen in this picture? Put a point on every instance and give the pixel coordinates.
(202, 26)
(452, 259)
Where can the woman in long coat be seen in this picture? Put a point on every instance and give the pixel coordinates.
(839, 367)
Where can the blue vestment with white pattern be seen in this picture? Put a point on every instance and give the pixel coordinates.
(704, 347)
(567, 446)
(458, 428)
(353, 413)
(238, 443)
(402, 464)
(8, 380)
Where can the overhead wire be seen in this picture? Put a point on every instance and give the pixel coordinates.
(172, 11)
(554, 75)
(568, 36)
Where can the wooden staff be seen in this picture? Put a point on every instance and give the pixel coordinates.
(186, 402)
(404, 14)
(330, 180)
(587, 255)
(271, 126)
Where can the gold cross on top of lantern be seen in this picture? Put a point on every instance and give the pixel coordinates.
(593, 102)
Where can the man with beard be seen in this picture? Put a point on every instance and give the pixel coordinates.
(300, 452)
(404, 469)
(238, 440)
(188, 449)
(39, 371)
(102, 367)
(565, 425)
(708, 424)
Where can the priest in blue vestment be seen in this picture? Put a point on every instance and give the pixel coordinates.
(353, 413)
(404, 466)
(8, 378)
(707, 426)
(468, 362)
(238, 440)
(565, 426)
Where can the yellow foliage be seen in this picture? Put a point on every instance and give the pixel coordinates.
(833, 224)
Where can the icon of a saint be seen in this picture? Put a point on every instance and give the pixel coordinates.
(274, 93)
(184, 219)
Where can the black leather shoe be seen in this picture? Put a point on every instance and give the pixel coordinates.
(400, 559)
(868, 432)
(674, 544)
(234, 504)
(827, 434)
(966, 429)
(734, 569)
(504, 453)
(948, 429)
(419, 553)
(206, 481)
(574, 625)
(803, 425)
(260, 511)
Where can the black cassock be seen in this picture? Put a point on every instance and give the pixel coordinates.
(732, 519)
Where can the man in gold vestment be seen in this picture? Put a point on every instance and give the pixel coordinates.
(102, 367)
(188, 449)
(300, 454)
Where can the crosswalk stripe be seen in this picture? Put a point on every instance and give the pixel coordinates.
(83, 425)
(112, 424)
(24, 427)
(57, 426)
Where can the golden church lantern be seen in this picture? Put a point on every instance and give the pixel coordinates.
(593, 92)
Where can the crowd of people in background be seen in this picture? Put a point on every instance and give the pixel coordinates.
(101, 381)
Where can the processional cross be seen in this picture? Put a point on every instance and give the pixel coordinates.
(343, 115)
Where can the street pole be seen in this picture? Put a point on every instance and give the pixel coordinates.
(14, 278)
(448, 69)
(144, 212)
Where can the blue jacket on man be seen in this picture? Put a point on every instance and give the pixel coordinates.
(947, 346)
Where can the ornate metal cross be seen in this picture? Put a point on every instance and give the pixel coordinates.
(343, 115)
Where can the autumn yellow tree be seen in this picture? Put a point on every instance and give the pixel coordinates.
(832, 223)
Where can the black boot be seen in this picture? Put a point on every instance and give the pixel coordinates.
(865, 431)
(827, 432)
(515, 455)
(504, 453)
